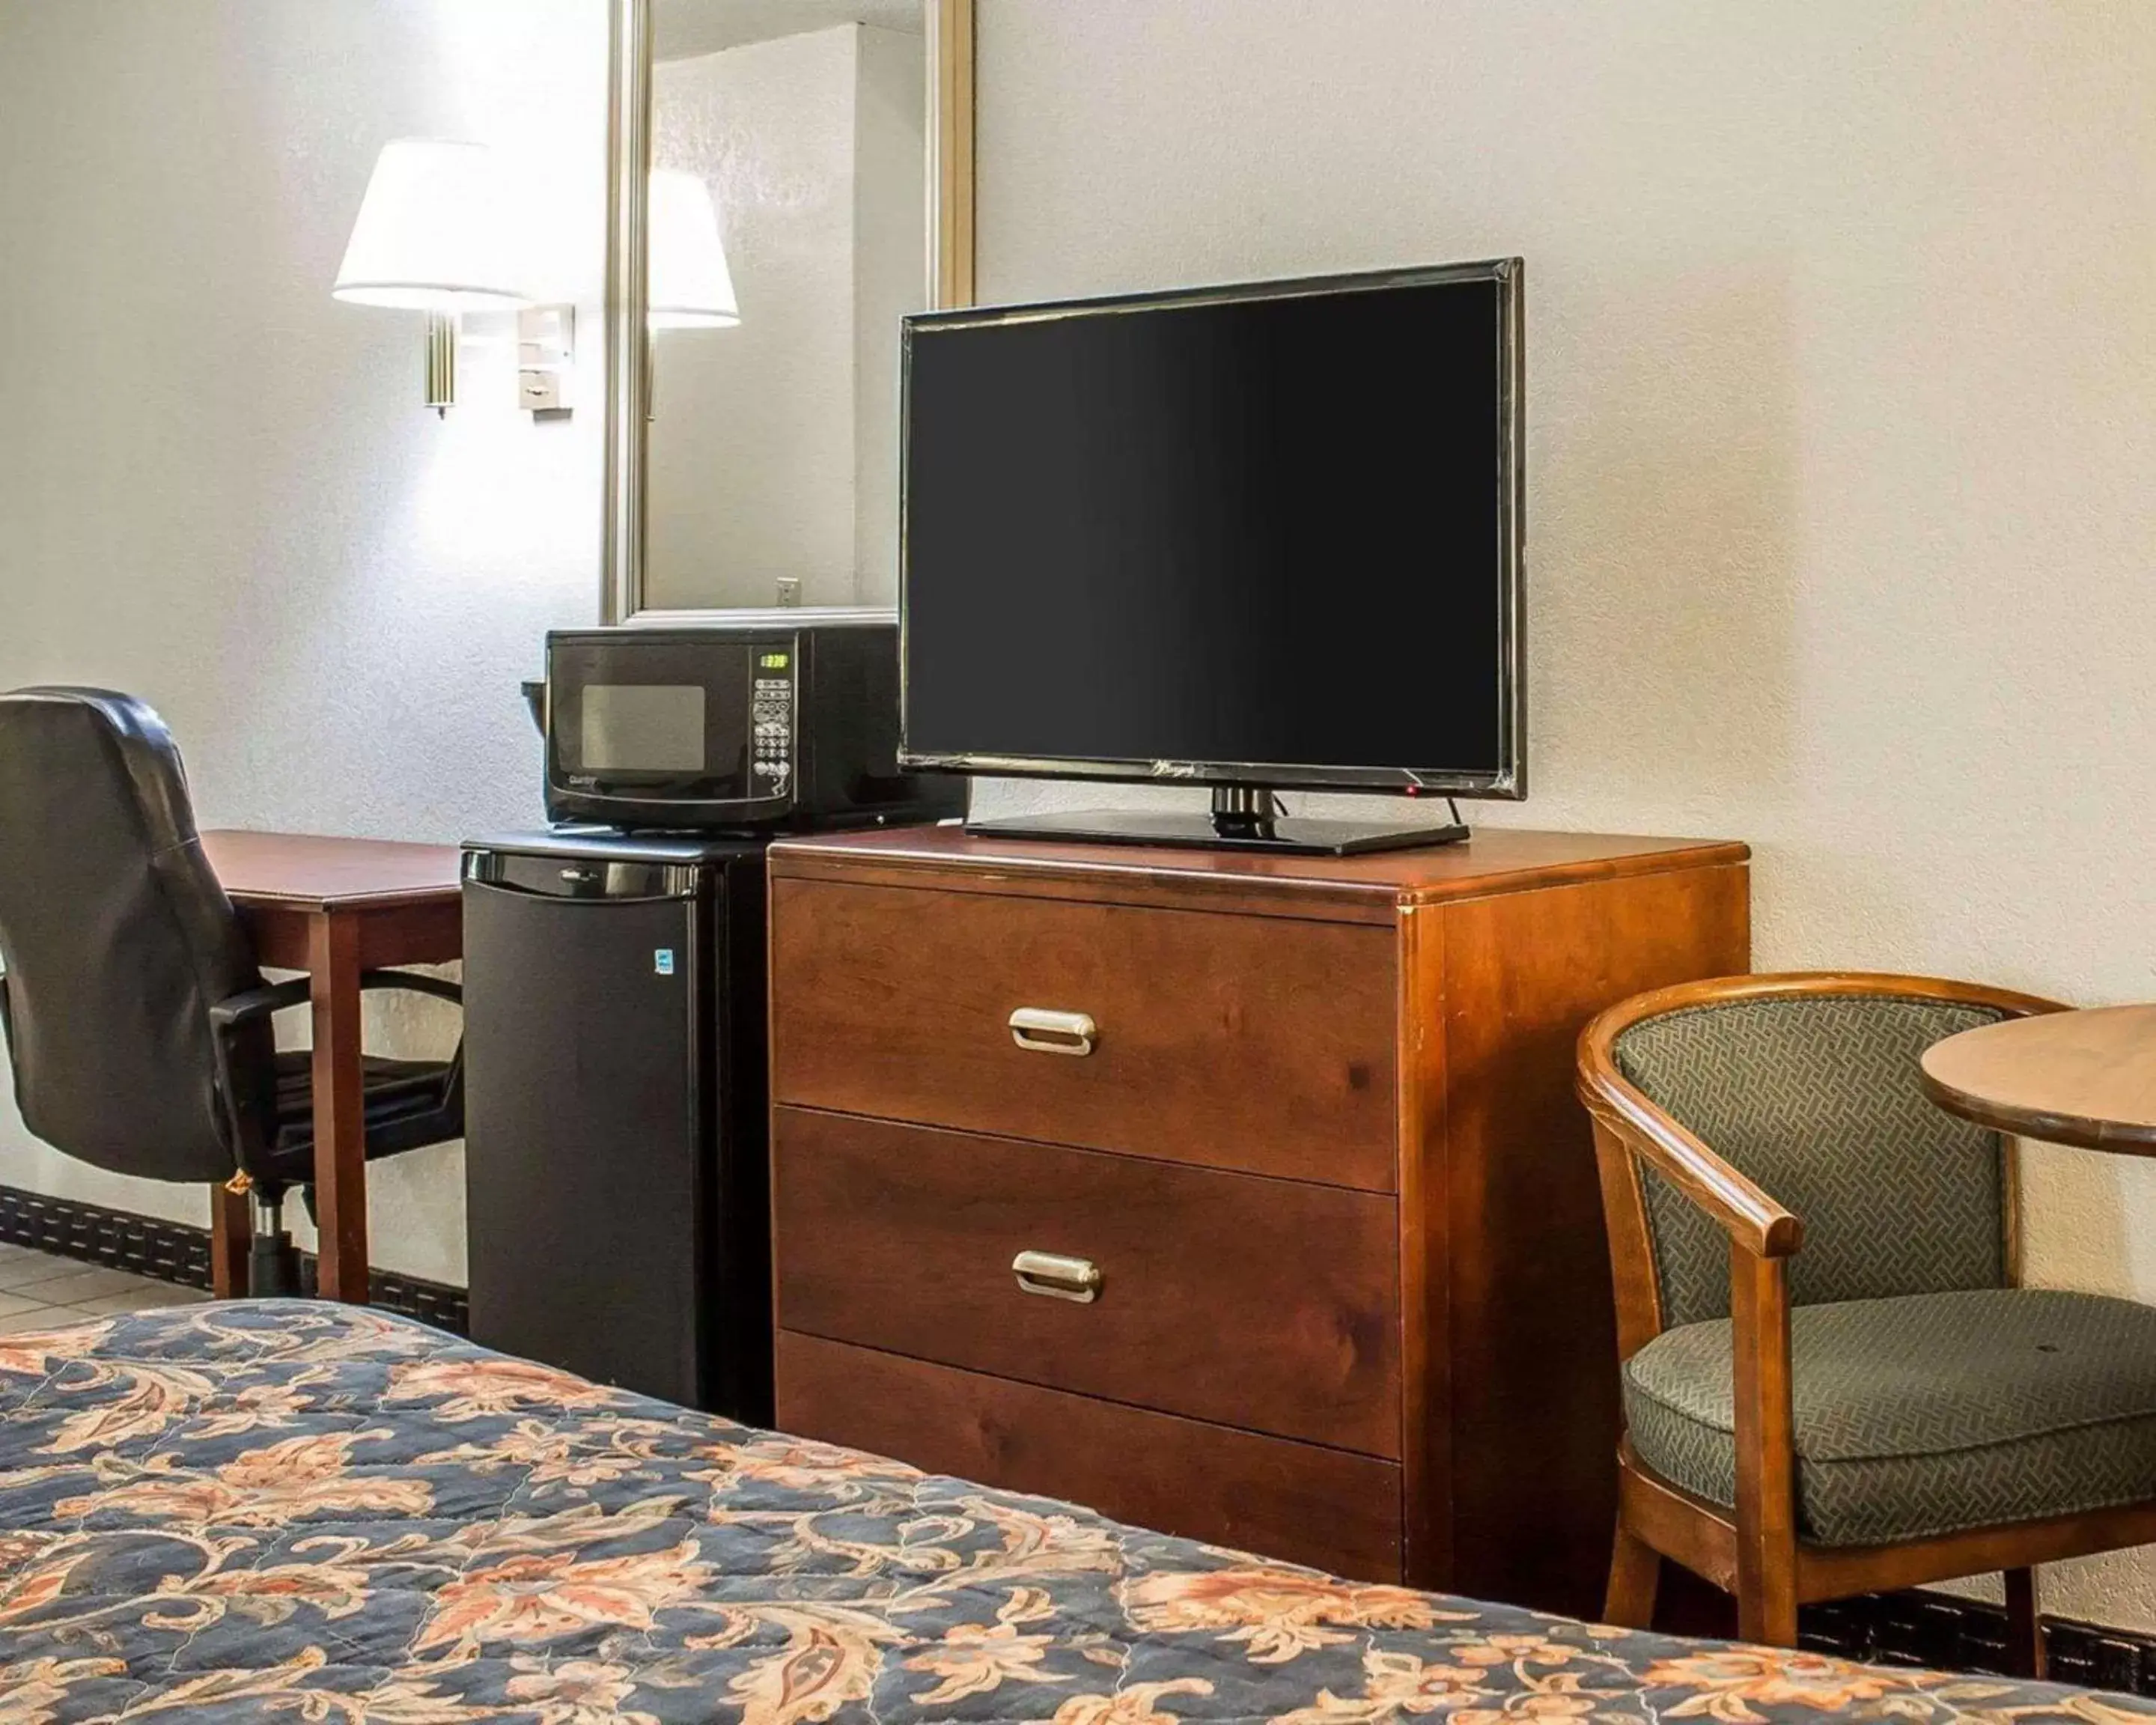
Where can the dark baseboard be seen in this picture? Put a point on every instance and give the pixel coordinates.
(1956, 1634)
(175, 1252)
(1916, 1627)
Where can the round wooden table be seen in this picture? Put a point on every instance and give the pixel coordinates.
(2085, 1078)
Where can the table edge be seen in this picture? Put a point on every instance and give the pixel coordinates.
(270, 898)
(2076, 1131)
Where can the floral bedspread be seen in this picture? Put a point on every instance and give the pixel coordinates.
(281, 1509)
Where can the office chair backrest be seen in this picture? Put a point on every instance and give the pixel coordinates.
(115, 937)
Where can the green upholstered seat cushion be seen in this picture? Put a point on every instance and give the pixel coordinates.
(1923, 1414)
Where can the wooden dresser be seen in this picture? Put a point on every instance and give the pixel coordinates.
(1317, 1265)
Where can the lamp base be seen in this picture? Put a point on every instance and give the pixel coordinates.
(441, 362)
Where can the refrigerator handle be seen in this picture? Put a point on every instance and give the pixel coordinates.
(575, 880)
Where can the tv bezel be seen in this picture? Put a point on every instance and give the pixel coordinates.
(1508, 781)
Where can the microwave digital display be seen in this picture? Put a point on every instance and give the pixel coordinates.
(648, 728)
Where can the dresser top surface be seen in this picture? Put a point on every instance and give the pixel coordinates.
(1496, 860)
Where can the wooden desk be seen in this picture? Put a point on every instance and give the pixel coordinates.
(333, 907)
(2085, 1078)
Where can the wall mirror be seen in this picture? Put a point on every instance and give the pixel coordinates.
(789, 178)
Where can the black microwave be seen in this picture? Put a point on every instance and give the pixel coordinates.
(721, 726)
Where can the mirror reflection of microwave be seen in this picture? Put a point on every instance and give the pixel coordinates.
(722, 726)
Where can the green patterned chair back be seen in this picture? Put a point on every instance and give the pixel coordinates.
(1815, 1099)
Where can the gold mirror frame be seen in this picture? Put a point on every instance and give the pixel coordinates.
(949, 263)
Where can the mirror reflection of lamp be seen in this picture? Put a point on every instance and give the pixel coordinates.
(690, 286)
(434, 235)
(687, 284)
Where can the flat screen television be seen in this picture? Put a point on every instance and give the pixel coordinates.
(1251, 537)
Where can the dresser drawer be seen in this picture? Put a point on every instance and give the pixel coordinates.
(1297, 1501)
(1262, 1303)
(1255, 1042)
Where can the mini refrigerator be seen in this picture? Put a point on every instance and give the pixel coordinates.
(617, 1180)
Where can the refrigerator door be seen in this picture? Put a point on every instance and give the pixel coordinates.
(587, 986)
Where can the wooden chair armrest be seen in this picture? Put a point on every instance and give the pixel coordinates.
(1766, 1442)
(1751, 1219)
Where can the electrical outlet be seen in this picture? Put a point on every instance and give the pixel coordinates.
(789, 589)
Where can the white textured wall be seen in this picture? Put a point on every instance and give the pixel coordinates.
(751, 451)
(1842, 416)
(217, 486)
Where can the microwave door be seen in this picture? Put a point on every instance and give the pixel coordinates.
(651, 722)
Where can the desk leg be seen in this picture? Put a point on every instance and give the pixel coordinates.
(231, 1232)
(339, 1113)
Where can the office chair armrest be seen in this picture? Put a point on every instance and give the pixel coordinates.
(251, 1003)
(414, 982)
(244, 1008)
(242, 1040)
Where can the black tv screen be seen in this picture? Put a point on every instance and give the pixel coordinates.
(1264, 534)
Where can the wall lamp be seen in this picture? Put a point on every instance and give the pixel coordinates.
(434, 235)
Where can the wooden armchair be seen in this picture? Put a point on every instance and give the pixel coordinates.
(1886, 1406)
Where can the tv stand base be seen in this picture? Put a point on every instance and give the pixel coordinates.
(1241, 818)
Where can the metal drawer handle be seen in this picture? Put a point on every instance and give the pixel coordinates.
(1046, 1032)
(1058, 1277)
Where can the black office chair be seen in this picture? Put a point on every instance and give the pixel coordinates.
(137, 1024)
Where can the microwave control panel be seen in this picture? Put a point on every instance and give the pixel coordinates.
(771, 722)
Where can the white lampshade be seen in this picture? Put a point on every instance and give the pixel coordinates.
(433, 233)
(689, 285)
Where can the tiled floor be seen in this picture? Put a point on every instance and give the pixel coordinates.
(41, 1292)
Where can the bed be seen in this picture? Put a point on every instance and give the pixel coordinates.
(278, 1509)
